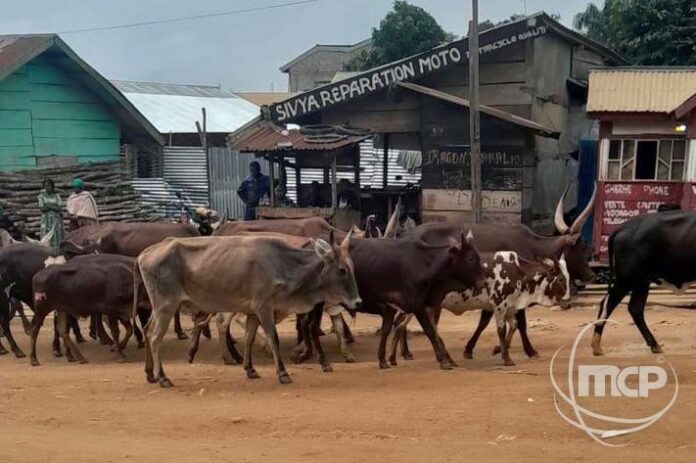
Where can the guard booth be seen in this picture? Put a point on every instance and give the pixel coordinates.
(319, 166)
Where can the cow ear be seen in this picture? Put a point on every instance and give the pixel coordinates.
(323, 249)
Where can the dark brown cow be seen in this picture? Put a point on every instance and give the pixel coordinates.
(130, 239)
(82, 287)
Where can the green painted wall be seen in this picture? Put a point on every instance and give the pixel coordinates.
(44, 111)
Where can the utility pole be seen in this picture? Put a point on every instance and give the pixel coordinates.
(474, 118)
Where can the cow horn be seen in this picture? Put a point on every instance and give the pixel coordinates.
(346, 240)
(390, 231)
(582, 218)
(558, 220)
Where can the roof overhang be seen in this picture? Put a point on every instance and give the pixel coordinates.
(434, 60)
(535, 127)
(685, 108)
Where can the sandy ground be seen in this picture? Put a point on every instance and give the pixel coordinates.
(481, 411)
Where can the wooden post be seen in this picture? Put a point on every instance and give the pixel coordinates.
(474, 117)
(334, 186)
(271, 169)
(385, 173)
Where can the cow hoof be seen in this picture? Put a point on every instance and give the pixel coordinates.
(383, 365)
(57, 353)
(350, 339)
(72, 359)
(150, 377)
(252, 374)
(657, 349)
(496, 350)
(83, 361)
(533, 354)
(408, 356)
(19, 354)
(165, 382)
(446, 366)
(35, 362)
(327, 368)
(392, 362)
(598, 352)
(80, 340)
(468, 355)
(226, 361)
(452, 362)
(509, 363)
(350, 359)
(284, 379)
(141, 345)
(181, 336)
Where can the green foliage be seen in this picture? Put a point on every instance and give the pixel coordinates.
(646, 32)
(404, 31)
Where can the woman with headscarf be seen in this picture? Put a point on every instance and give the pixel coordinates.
(81, 206)
(51, 207)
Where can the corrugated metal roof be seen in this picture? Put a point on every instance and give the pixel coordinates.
(15, 50)
(161, 88)
(261, 98)
(268, 138)
(640, 89)
(178, 112)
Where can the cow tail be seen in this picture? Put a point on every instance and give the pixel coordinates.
(137, 282)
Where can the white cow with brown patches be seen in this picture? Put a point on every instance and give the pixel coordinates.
(511, 283)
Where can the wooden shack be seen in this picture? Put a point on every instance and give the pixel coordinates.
(533, 92)
(647, 151)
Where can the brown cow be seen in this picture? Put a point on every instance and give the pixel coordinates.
(265, 278)
(311, 227)
(84, 286)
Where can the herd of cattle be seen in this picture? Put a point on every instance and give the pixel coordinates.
(260, 272)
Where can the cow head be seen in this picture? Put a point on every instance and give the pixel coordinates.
(69, 249)
(466, 261)
(338, 273)
(557, 291)
(576, 250)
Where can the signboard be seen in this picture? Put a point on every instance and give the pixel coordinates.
(449, 168)
(460, 200)
(618, 202)
(436, 59)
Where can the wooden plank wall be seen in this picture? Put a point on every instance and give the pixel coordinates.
(45, 111)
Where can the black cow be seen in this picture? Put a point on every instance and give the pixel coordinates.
(18, 265)
(652, 248)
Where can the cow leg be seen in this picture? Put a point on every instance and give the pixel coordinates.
(158, 325)
(266, 318)
(177, 326)
(104, 338)
(74, 326)
(63, 331)
(388, 315)
(636, 307)
(56, 338)
(485, 318)
(316, 335)
(228, 351)
(304, 349)
(339, 323)
(196, 332)
(36, 327)
(129, 332)
(400, 323)
(512, 327)
(3, 351)
(115, 334)
(252, 325)
(149, 361)
(613, 298)
(441, 353)
(138, 335)
(521, 317)
(206, 331)
(347, 335)
(93, 328)
(434, 314)
(143, 317)
(17, 307)
(240, 319)
(502, 335)
(5, 325)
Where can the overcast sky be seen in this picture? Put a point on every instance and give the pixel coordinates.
(241, 52)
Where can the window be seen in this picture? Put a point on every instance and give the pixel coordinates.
(646, 159)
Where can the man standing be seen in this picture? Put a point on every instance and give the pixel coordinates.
(81, 206)
(252, 190)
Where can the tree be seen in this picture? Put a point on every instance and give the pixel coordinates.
(646, 32)
(404, 31)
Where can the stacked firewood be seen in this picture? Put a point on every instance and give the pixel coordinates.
(108, 182)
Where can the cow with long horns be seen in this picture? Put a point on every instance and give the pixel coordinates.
(527, 244)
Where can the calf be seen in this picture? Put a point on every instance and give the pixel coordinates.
(511, 284)
(82, 287)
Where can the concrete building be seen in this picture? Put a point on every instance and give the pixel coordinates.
(318, 65)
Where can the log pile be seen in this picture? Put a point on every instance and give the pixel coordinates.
(107, 181)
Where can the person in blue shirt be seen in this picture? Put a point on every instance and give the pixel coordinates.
(252, 189)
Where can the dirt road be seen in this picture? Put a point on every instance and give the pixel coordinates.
(482, 411)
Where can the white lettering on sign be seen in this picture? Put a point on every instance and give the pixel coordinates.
(617, 189)
(656, 190)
